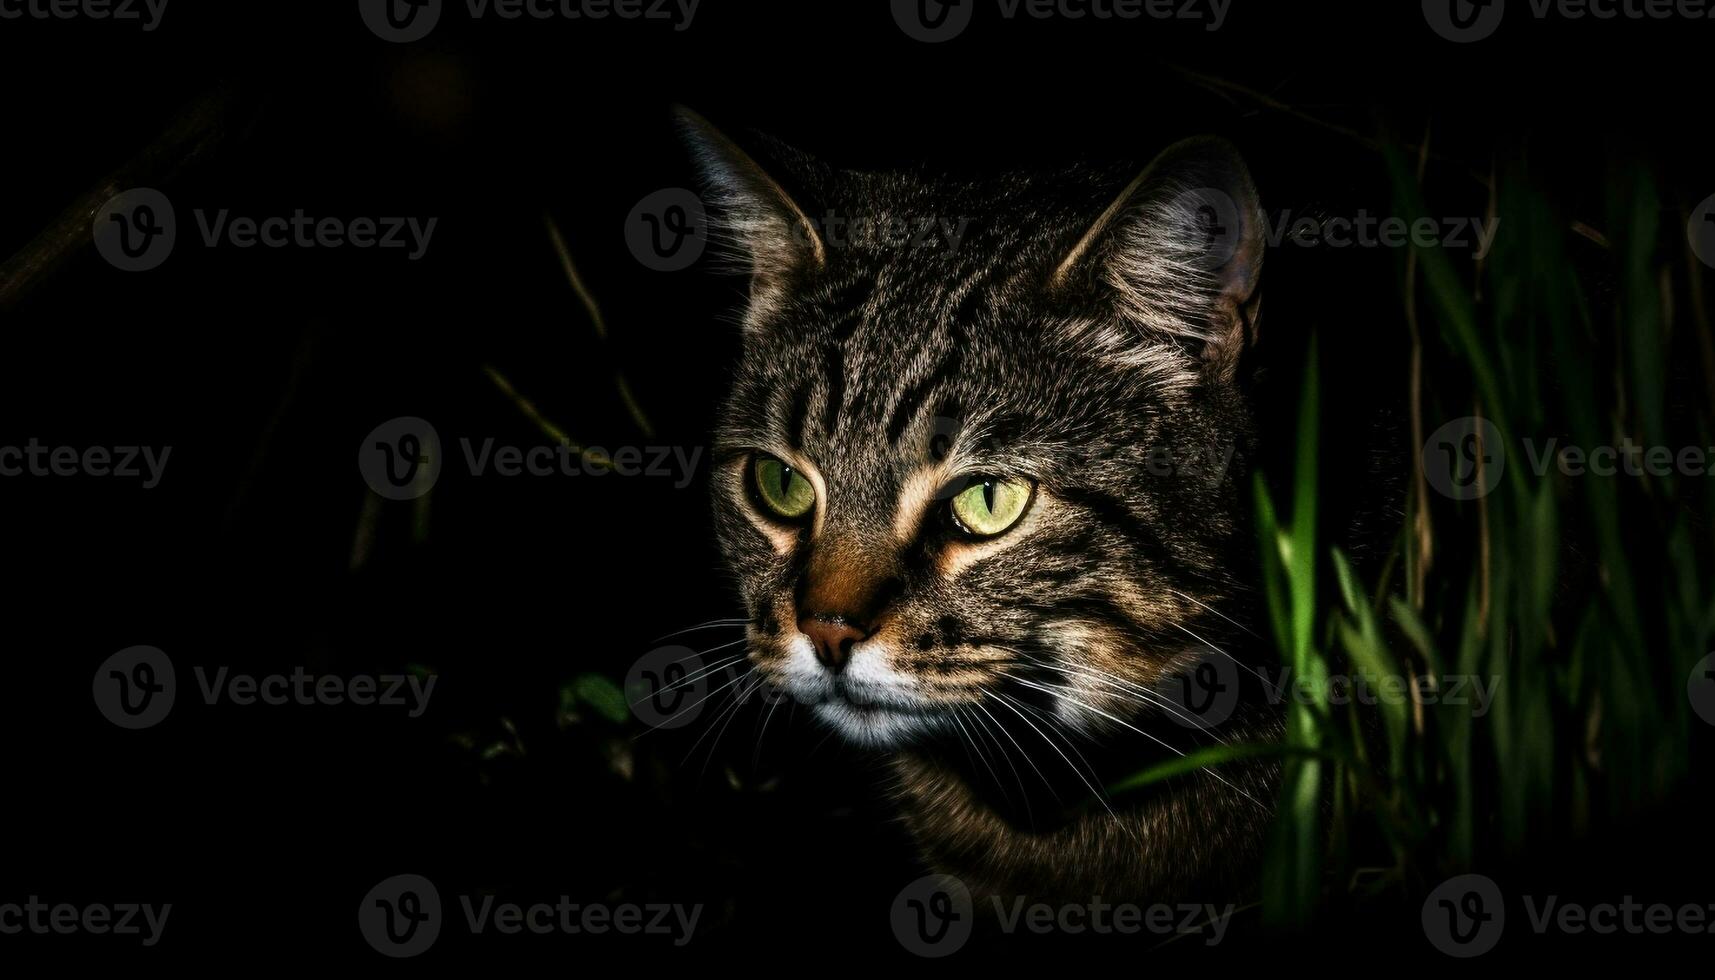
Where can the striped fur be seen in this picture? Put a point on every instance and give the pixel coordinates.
(1078, 339)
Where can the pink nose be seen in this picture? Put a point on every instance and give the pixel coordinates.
(833, 638)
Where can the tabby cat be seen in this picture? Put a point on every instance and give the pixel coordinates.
(986, 502)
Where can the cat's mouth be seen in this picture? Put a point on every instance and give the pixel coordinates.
(875, 724)
(868, 701)
(865, 700)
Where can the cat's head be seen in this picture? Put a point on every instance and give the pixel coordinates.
(985, 444)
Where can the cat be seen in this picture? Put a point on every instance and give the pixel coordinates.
(986, 496)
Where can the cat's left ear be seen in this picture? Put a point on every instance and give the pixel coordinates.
(777, 240)
(1179, 252)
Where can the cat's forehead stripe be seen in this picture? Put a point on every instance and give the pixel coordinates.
(913, 398)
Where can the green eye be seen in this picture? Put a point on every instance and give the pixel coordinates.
(782, 489)
(988, 507)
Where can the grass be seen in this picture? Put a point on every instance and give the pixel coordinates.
(1585, 599)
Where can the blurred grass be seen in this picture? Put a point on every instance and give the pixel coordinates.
(1585, 599)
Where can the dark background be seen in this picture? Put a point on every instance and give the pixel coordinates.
(263, 369)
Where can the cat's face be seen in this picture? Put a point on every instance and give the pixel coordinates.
(962, 485)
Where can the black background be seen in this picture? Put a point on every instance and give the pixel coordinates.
(263, 369)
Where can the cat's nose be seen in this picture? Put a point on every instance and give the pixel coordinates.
(833, 637)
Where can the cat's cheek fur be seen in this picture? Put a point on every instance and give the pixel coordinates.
(790, 664)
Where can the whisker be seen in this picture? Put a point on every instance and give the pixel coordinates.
(1217, 612)
(1048, 689)
(692, 678)
(1066, 735)
(1142, 695)
(700, 700)
(978, 714)
(1026, 755)
(711, 624)
(1220, 651)
(715, 649)
(958, 713)
(731, 716)
(1098, 794)
(756, 757)
(728, 712)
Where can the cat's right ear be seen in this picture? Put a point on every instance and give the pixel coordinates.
(1179, 253)
(776, 239)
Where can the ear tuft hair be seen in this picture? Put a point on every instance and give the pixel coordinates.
(751, 208)
(1179, 252)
